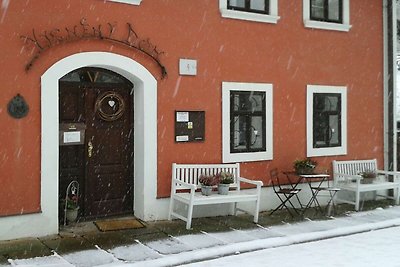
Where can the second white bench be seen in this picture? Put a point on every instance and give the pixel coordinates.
(346, 175)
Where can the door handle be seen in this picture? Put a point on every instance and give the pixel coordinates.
(90, 149)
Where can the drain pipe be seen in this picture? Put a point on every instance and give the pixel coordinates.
(389, 84)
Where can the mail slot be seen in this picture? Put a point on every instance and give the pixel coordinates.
(72, 134)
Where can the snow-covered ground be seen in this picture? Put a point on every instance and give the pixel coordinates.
(374, 248)
(369, 238)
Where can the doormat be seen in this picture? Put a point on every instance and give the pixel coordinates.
(115, 225)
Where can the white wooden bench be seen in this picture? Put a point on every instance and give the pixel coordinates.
(346, 177)
(185, 185)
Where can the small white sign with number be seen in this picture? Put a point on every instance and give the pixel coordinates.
(187, 66)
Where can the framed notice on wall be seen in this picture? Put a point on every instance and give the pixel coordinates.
(189, 126)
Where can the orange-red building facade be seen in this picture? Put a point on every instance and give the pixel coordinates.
(287, 54)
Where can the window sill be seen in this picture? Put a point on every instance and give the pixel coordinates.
(244, 157)
(326, 151)
(234, 14)
(130, 2)
(327, 25)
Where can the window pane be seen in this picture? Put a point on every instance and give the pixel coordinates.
(237, 3)
(334, 130)
(248, 101)
(326, 120)
(317, 9)
(320, 130)
(239, 135)
(257, 5)
(334, 10)
(256, 133)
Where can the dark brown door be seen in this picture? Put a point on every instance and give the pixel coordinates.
(106, 156)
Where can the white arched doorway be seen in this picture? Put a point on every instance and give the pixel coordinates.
(146, 206)
(145, 125)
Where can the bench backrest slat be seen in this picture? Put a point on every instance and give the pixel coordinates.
(190, 173)
(354, 167)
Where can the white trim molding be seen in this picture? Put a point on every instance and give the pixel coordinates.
(345, 26)
(236, 14)
(130, 2)
(227, 156)
(326, 151)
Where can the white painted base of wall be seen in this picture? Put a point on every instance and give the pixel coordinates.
(156, 210)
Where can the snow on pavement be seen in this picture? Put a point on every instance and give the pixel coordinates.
(178, 250)
(374, 248)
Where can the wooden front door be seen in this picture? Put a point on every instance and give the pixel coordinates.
(103, 164)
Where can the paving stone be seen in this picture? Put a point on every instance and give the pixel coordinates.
(43, 261)
(168, 246)
(237, 222)
(209, 225)
(23, 248)
(63, 245)
(89, 258)
(112, 239)
(135, 252)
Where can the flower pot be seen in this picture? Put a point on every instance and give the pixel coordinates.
(72, 215)
(206, 190)
(367, 180)
(223, 189)
(305, 170)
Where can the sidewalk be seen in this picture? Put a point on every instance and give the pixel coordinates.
(170, 244)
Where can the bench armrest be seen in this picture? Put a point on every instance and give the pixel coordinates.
(388, 172)
(245, 180)
(183, 184)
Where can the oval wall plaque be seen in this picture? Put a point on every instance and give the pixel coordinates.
(17, 107)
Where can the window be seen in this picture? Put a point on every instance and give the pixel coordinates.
(327, 14)
(326, 120)
(326, 10)
(131, 2)
(247, 121)
(247, 128)
(252, 10)
(256, 6)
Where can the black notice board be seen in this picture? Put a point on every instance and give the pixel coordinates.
(189, 126)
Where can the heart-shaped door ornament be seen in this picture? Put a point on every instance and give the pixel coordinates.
(111, 103)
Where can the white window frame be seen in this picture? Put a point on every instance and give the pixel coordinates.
(326, 151)
(130, 2)
(227, 156)
(236, 14)
(344, 26)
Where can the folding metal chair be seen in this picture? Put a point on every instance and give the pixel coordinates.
(317, 189)
(284, 193)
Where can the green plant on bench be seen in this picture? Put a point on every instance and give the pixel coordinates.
(368, 176)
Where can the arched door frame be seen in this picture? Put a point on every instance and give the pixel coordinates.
(145, 129)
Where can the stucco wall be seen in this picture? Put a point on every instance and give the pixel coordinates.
(286, 54)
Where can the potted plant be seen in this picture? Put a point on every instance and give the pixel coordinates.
(225, 179)
(304, 166)
(368, 176)
(72, 208)
(207, 182)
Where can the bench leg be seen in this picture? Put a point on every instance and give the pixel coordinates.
(171, 207)
(235, 208)
(396, 195)
(256, 212)
(189, 217)
(357, 201)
